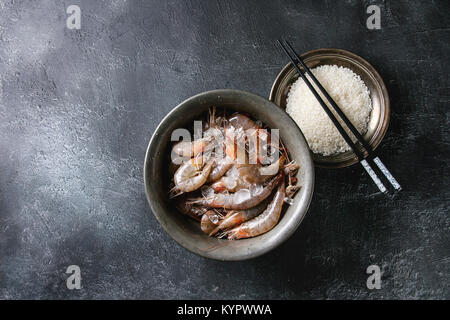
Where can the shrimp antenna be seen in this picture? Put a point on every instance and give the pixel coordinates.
(174, 192)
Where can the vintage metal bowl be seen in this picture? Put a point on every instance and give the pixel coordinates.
(379, 120)
(187, 231)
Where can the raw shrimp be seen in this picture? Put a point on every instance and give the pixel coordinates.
(242, 199)
(234, 147)
(191, 148)
(238, 194)
(235, 137)
(219, 169)
(210, 220)
(190, 176)
(231, 181)
(247, 176)
(241, 130)
(291, 168)
(262, 223)
(235, 218)
(194, 212)
(272, 169)
(237, 178)
(239, 120)
(213, 126)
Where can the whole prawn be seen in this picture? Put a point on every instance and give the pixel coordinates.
(236, 217)
(190, 176)
(242, 199)
(262, 223)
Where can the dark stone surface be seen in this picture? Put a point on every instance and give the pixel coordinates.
(78, 107)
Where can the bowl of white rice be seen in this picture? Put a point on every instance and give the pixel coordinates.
(353, 84)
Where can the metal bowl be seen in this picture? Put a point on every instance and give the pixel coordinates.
(379, 119)
(186, 231)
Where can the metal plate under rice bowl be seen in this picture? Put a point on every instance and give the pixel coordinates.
(379, 119)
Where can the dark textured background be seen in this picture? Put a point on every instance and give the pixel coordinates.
(78, 107)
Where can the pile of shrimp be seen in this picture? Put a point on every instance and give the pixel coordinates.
(231, 199)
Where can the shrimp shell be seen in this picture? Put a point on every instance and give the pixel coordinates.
(239, 120)
(262, 223)
(191, 149)
(220, 168)
(243, 199)
(235, 218)
(189, 178)
(194, 212)
(247, 176)
(272, 169)
(209, 221)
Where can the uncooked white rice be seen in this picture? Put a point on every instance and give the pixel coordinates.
(348, 91)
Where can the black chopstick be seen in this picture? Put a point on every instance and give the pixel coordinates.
(332, 102)
(338, 126)
(352, 128)
(297, 60)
